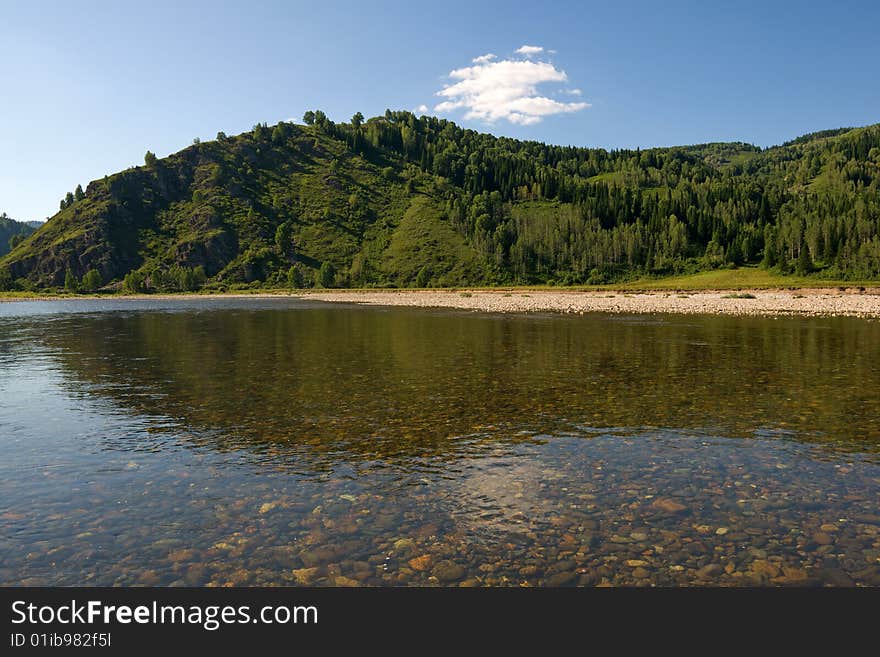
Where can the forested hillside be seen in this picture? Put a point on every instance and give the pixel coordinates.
(13, 232)
(399, 200)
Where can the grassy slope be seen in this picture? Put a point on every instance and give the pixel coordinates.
(424, 239)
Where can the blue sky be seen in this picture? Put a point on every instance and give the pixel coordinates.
(88, 87)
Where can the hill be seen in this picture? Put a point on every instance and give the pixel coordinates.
(14, 230)
(405, 201)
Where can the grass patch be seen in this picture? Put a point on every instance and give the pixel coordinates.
(734, 279)
(740, 295)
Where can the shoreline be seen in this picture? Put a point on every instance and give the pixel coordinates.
(809, 302)
(820, 302)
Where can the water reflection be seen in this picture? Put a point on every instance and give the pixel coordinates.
(242, 442)
(401, 384)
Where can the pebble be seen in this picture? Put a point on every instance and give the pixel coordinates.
(448, 571)
(710, 570)
(305, 576)
(763, 568)
(404, 544)
(421, 563)
(561, 579)
(668, 505)
(794, 574)
(346, 582)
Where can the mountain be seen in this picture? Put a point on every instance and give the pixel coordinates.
(403, 201)
(9, 229)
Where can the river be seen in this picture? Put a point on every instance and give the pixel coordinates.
(281, 441)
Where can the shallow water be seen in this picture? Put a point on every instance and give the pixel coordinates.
(246, 441)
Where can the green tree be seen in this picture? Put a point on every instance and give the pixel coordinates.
(770, 256)
(71, 283)
(309, 118)
(6, 283)
(283, 239)
(134, 282)
(199, 277)
(357, 120)
(734, 253)
(327, 275)
(150, 159)
(158, 279)
(92, 281)
(79, 194)
(423, 277)
(294, 277)
(804, 262)
(15, 240)
(279, 133)
(356, 204)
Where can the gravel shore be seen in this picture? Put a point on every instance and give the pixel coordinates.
(810, 302)
(833, 302)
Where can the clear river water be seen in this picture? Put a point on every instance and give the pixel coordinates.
(279, 441)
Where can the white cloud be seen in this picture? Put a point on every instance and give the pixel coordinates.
(528, 51)
(506, 89)
(483, 59)
(572, 92)
(421, 109)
